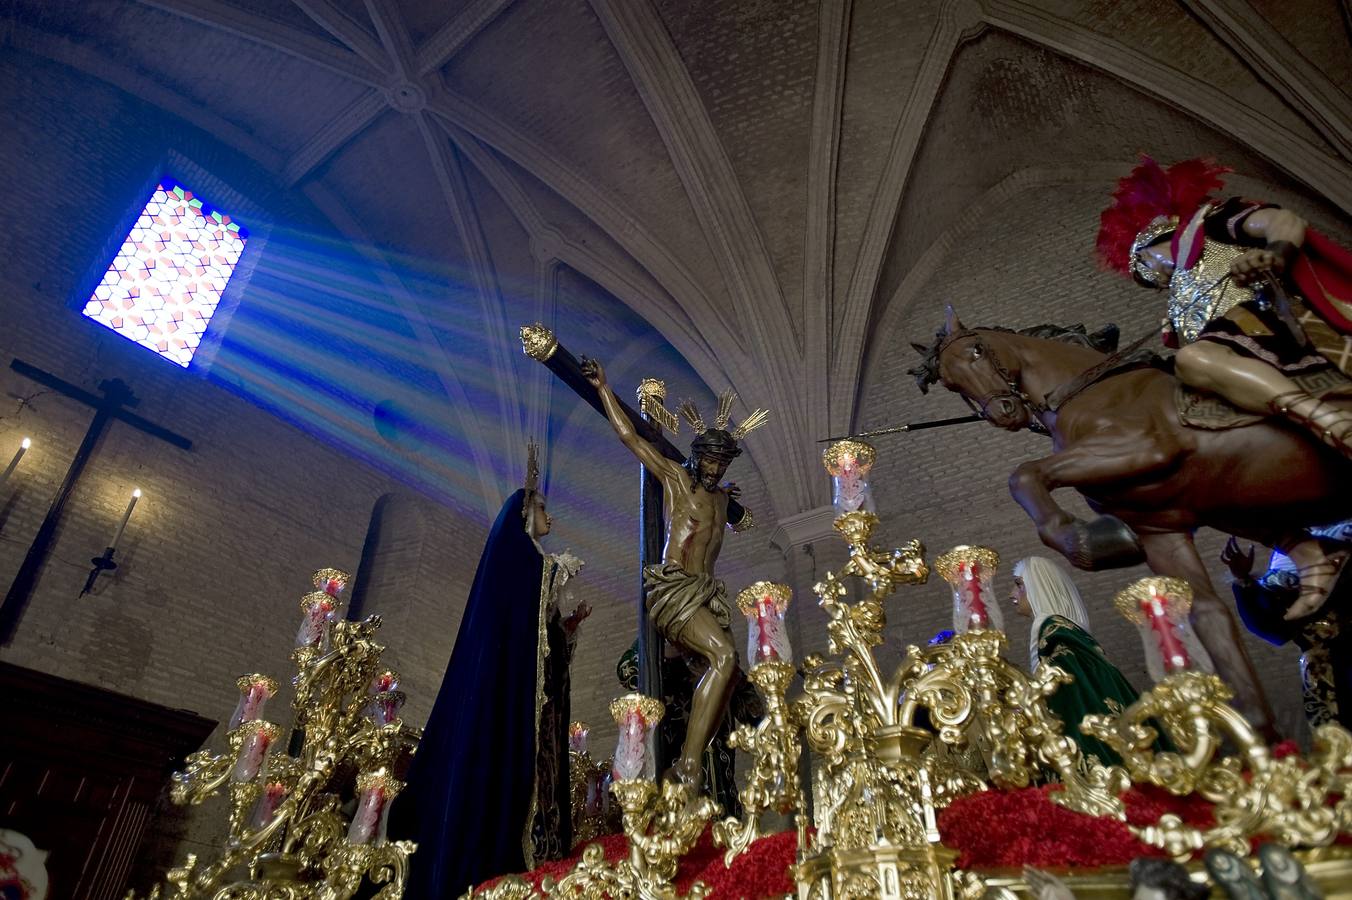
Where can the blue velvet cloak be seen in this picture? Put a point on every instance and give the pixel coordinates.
(468, 796)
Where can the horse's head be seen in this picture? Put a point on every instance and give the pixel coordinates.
(982, 366)
(970, 363)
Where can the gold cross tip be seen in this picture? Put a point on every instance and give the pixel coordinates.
(538, 342)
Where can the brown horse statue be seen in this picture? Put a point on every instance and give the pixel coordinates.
(1118, 439)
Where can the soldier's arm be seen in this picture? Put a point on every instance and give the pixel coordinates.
(1275, 225)
(650, 456)
(1278, 234)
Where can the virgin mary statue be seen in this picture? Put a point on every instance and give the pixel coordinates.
(487, 793)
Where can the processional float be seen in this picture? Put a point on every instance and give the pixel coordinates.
(887, 750)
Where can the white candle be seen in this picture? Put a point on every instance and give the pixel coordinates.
(18, 455)
(135, 495)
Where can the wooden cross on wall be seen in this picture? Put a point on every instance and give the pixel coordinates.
(113, 404)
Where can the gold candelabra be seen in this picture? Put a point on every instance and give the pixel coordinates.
(661, 823)
(289, 833)
(887, 750)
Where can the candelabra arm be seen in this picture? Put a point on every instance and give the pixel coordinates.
(661, 825)
(1294, 802)
(203, 776)
(775, 748)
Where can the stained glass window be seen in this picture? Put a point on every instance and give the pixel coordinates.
(167, 278)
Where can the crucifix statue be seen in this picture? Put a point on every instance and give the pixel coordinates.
(685, 602)
(661, 460)
(113, 404)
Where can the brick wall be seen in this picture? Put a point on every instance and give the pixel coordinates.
(220, 547)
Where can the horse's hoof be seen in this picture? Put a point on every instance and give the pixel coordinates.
(1105, 542)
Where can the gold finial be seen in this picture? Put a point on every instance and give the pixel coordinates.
(651, 393)
(538, 342)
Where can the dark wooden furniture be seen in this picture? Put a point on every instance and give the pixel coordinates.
(80, 771)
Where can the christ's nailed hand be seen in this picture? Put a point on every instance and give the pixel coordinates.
(592, 371)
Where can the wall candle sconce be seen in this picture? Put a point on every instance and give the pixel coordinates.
(14, 463)
(105, 562)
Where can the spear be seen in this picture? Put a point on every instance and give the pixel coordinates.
(909, 426)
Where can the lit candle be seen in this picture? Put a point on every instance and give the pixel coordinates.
(577, 737)
(388, 680)
(271, 797)
(319, 608)
(255, 691)
(970, 572)
(763, 604)
(848, 463)
(117, 535)
(18, 455)
(375, 790)
(254, 739)
(635, 714)
(331, 581)
(1172, 651)
(384, 707)
(1159, 607)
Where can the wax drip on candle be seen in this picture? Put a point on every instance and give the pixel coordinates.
(971, 574)
(1171, 648)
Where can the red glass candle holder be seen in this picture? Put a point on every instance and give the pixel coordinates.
(598, 791)
(254, 692)
(384, 707)
(636, 716)
(375, 791)
(1159, 606)
(577, 737)
(387, 680)
(970, 571)
(763, 604)
(318, 609)
(331, 581)
(270, 797)
(252, 740)
(849, 463)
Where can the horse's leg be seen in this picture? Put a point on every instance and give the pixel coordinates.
(1175, 554)
(1106, 542)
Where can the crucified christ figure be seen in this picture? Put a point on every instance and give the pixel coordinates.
(687, 604)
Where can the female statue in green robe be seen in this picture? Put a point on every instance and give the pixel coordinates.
(1060, 636)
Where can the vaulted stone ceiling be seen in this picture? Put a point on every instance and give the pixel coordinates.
(755, 179)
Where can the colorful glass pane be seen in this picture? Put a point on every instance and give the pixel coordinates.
(168, 276)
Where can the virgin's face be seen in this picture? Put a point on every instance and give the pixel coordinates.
(1018, 596)
(540, 523)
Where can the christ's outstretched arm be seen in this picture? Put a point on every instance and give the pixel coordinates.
(650, 456)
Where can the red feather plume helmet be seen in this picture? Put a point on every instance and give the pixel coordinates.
(1148, 204)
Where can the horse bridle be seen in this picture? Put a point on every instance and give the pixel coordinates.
(1012, 389)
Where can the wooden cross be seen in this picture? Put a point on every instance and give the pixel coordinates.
(114, 403)
(540, 344)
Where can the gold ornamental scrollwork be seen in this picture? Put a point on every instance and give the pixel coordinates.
(286, 827)
(1296, 802)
